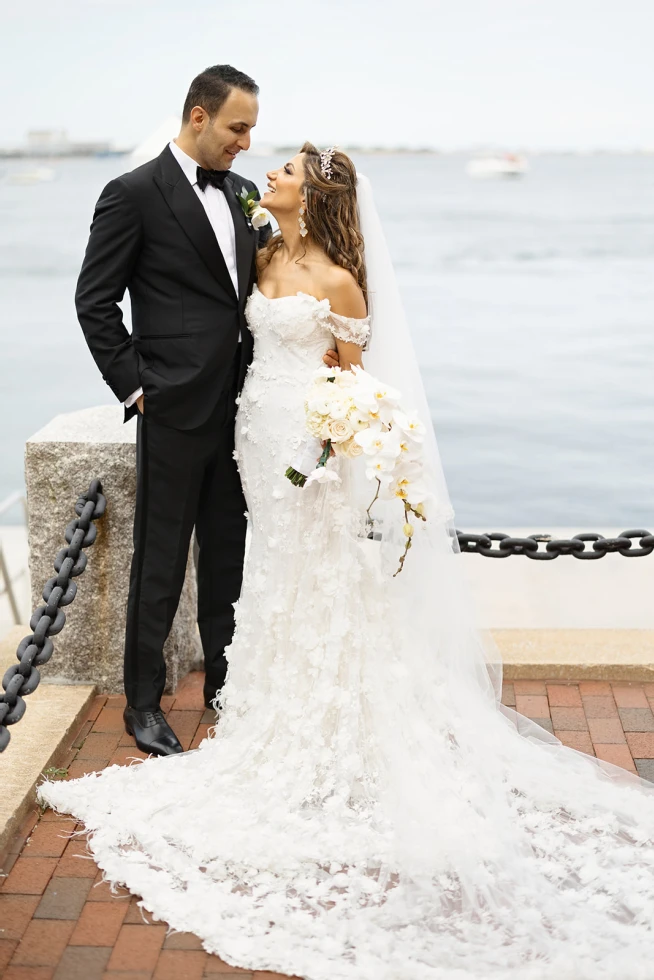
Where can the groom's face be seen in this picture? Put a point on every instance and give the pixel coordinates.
(222, 138)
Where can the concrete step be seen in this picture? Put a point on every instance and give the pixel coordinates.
(38, 741)
(580, 654)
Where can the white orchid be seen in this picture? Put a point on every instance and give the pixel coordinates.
(382, 444)
(392, 445)
(358, 420)
(408, 485)
(322, 475)
(371, 439)
(410, 425)
(364, 399)
(380, 469)
(374, 392)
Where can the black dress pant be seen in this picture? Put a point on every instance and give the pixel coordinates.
(184, 479)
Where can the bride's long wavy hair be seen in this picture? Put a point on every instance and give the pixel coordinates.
(332, 217)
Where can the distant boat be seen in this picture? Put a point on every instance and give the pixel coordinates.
(39, 175)
(154, 144)
(498, 165)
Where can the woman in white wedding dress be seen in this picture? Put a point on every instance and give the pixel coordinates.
(367, 810)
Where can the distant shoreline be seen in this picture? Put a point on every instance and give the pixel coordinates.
(67, 154)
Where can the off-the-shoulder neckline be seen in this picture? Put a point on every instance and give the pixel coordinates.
(320, 302)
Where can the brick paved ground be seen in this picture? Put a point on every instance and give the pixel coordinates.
(58, 922)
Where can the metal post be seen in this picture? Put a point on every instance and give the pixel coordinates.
(7, 504)
(8, 590)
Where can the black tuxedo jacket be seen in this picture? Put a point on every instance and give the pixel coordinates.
(151, 236)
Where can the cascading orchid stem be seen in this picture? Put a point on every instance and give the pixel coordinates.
(408, 530)
(374, 501)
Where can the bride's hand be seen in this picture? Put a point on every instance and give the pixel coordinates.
(331, 449)
(331, 359)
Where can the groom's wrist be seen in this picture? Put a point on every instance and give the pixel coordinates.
(133, 398)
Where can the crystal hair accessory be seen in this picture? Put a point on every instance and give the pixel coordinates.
(326, 162)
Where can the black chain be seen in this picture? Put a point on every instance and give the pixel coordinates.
(482, 544)
(49, 619)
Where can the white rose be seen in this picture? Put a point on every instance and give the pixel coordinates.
(351, 449)
(259, 217)
(339, 430)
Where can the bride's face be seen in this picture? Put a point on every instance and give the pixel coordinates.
(285, 188)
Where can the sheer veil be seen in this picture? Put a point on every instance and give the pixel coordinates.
(450, 670)
(447, 643)
(432, 570)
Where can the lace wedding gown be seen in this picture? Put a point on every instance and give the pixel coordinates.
(358, 815)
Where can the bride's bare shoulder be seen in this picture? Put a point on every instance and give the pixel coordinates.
(345, 296)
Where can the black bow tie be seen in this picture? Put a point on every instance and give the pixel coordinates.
(214, 177)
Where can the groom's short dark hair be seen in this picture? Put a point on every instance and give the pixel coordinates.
(211, 87)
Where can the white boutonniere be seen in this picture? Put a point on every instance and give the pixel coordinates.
(255, 214)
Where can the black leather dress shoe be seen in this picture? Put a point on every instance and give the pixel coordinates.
(210, 692)
(151, 731)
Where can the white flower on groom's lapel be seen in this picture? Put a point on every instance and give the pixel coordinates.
(256, 216)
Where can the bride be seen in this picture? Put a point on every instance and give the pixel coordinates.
(367, 809)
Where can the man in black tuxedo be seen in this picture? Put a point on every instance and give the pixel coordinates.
(174, 234)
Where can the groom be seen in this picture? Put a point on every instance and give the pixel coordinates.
(174, 234)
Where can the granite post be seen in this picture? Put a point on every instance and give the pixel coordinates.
(60, 462)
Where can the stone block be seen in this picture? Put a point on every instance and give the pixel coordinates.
(60, 462)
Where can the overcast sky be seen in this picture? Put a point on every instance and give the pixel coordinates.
(447, 73)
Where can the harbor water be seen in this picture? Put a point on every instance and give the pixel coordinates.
(531, 303)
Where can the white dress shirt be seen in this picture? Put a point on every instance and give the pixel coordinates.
(220, 218)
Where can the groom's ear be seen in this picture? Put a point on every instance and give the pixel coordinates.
(198, 118)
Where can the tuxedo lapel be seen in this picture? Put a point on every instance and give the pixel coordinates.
(184, 203)
(245, 239)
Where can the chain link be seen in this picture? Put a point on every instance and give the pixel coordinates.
(483, 544)
(49, 619)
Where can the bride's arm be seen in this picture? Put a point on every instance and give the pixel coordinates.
(349, 321)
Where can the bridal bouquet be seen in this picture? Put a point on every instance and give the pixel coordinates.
(352, 414)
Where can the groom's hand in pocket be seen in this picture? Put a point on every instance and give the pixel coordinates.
(139, 403)
(331, 359)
